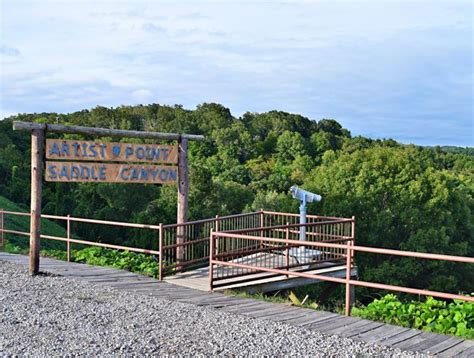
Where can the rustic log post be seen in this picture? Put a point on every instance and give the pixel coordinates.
(37, 146)
(2, 237)
(183, 192)
(68, 249)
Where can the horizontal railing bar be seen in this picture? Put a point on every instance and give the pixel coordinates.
(92, 221)
(106, 132)
(415, 291)
(422, 255)
(266, 228)
(342, 237)
(203, 221)
(279, 271)
(99, 244)
(336, 261)
(15, 213)
(298, 215)
(103, 222)
(187, 263)
(350, 282)
(15, 232)
(187, 243)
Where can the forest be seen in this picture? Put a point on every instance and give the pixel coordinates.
(403, 196)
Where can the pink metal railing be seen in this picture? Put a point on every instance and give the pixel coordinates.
(183, 246)
(69, 240)
(220, 260)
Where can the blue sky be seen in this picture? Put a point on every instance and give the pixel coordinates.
(401, 70)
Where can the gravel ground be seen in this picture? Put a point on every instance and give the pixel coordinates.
(50, 315)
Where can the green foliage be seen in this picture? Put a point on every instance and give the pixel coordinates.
(403, 196)
(131, 261)
(456, 318)
(22, 223)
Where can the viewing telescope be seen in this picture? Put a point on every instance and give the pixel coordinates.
(304, 197)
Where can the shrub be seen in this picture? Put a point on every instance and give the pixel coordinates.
(455, 318)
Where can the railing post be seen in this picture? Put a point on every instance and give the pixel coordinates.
(68, 243)
(287, 247)
(211, 257)
(1, 228)
(160, 248)
(262, 221)
(216, 225)
(349, 261)
(348, 278)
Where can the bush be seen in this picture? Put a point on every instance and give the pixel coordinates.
(456, 318)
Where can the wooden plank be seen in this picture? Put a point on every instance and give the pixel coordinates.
(80, 150)
(444, 345)
(326, 316)
(269, 312)
(104, 132)
(341, 321)
(81, 172)
(37, 144)
(468, 353)
(283, 315)
(430, 341)
(421, 341)
(457, 350)
(309, 317)
(355, 328)
(381, 333)
(244, 307)
(400, 337)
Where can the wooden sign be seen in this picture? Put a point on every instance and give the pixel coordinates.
(110, 152)
(110, 173)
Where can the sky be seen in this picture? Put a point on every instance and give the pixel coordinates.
(399, 69)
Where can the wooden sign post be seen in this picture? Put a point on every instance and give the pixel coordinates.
(89, 166)
(37, 145)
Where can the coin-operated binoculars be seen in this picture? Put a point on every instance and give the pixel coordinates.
(304, 197)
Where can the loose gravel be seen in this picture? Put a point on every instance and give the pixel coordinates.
(51, 315)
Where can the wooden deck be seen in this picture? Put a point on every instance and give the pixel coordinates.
(253, 282)
(325, 322)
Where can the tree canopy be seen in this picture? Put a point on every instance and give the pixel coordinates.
(403, 196)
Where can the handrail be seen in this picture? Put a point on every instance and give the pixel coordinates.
(219, 218)
(276, 227)
(298, 215)
(216, 258)
(422, 255)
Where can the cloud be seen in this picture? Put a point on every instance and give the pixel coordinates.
(142, 95)
(9, 51)
(381, 69)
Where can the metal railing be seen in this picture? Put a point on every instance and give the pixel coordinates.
(227, 259)
(180, 246)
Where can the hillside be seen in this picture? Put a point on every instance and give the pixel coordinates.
(22, 223)
(403, 196)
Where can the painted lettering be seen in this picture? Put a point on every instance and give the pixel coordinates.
(54, 150)
(128, 152)
(93, 153)
(76, 147)
(65, 150)
(52, 171)
(140, 153)
(122, 173)
(64, 172)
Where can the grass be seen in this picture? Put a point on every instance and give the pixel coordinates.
(20, 244)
